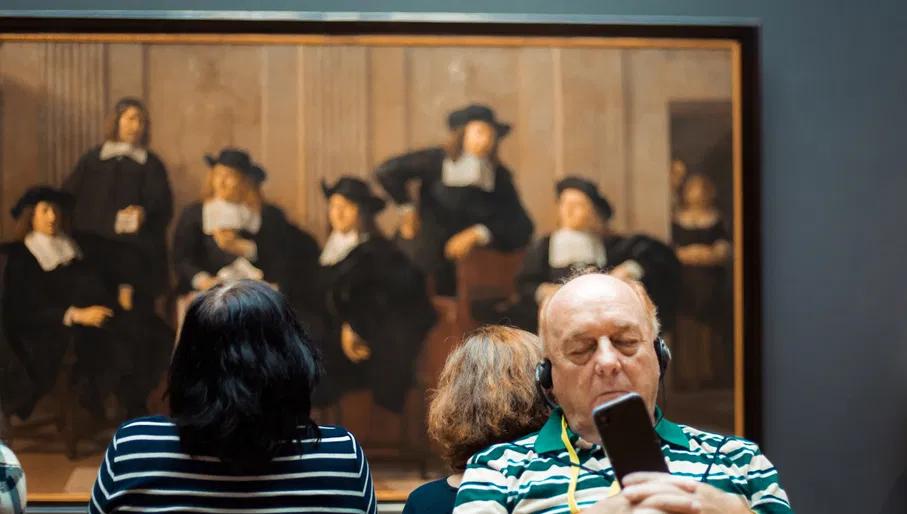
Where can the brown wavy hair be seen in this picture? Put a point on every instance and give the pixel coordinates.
(112, 123)
(487, 393)
(250, 193)
(453, 147)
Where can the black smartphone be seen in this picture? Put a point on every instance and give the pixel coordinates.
(628, 436)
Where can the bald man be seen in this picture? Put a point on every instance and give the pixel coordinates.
(600, 338)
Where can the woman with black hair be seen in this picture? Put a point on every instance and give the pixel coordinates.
(240, 437)
(378, 310)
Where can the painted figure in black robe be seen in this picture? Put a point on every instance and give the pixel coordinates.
(63, 292)
(234, 234)
(466, 197)
(582, 241)
(702, 346)
(122, 194)
(378, 310)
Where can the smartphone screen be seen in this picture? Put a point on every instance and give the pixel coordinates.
(628, 436)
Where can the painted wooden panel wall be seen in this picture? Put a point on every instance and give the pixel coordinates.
(309, 113)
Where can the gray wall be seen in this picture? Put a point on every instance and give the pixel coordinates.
(834, 76)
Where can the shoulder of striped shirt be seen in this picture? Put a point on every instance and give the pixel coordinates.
(161, 421)
(523, 448)
(7, 457)
(710, 441)
(139, 428)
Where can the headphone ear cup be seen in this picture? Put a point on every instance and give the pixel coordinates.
(544, 382)
(663, 353)
(543, 374)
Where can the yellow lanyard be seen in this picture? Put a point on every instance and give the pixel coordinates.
(574, 467)
(574, 470)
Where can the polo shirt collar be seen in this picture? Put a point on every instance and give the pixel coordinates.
(549, 437)
(670, 432)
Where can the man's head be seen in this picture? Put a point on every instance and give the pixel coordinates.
(598, 332)
(129, 122)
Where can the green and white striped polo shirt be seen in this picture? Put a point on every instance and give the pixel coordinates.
(532, 474)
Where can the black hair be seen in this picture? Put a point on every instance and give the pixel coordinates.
(242, 375)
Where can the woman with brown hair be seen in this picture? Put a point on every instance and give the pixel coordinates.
(122, 193)
(486, 395)
(466, 197)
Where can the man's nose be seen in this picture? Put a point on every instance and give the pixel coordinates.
(606, 357)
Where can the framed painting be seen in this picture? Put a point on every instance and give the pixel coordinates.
(659, 120)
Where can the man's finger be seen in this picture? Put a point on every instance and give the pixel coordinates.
(642, 477)
(674, 503)
(638, 492)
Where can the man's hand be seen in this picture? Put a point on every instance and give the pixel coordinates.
(614, 505)
(353, 346)
(544, 291)
(224, 238)
(673, 494)
(207, 283)
(621, 505)
(228, 241)
(409, 224)
(93, 316)
(124, 297)
(461, 243)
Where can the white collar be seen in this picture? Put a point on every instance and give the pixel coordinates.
(220, 214)
(468, 170)
(111, 149)
(52, 251)
(569, 247)
(339, 245)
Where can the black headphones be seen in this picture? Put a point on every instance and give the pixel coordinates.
(544, 382)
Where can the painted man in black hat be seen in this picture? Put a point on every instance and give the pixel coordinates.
(62, 289)
(466, 196)
(233, 233)
(583, 240)
(377, 307)
(122, 193)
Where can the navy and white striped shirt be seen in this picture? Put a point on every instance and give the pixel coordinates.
(145, 470)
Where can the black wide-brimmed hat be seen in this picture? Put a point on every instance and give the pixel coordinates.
(41, 194)
(588, 188)
(240, 161)
(476, 112)
(356, 191)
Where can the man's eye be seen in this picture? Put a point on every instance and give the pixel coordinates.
(582, 350)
